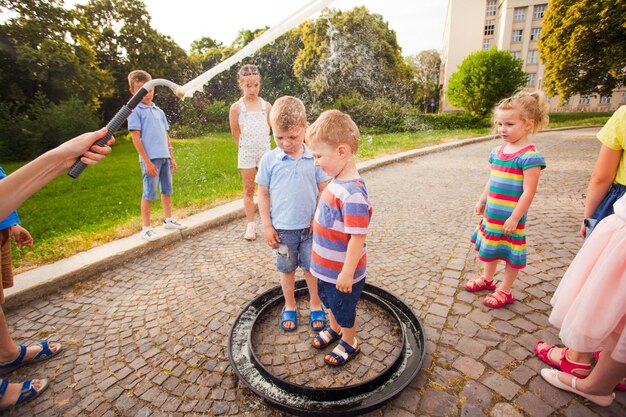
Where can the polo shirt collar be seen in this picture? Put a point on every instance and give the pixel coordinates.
(306, 154)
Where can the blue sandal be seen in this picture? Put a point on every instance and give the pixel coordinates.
(324, 340)
(289, 315)
(317, 315)
(341, 358)
(29, 392)
(44, 354)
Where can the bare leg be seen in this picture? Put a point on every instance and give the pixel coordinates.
(247, 176)
(316, 303)
(348, 335)
(145, 213)
(510, 274)
(166, 201)
(287, 283)
(490, 270)
(9, 350)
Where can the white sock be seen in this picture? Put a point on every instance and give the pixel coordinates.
(144, 228)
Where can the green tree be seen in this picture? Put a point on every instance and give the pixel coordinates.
(425, 66)
(484, 78)
(352, 52)
(202, 45)
(43, 51)
(583, 46)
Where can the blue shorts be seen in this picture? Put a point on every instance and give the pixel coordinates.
(163, 179)
(342, 305)
(299, 244)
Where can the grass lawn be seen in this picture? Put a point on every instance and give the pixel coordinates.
(68, 216)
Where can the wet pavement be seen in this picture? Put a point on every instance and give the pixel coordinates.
(149, 337)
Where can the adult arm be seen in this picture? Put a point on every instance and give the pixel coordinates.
(24, 182)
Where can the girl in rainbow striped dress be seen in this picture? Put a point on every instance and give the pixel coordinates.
(515, 168)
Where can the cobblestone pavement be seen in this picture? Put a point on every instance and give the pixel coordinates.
(149, 338)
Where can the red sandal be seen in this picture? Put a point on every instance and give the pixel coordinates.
(496, 302)
(563, 364)
(619, 387)
(479, 284)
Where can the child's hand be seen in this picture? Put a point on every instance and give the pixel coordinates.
(151, 169)
(344, 283)
(271, 236)
(21, 236)
(174, 165)
(479, 208)
(510, 225)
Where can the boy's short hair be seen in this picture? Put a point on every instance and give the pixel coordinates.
(334, 127)
(288, 112)
(138, 76)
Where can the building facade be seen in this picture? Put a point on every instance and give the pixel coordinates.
(508, 25)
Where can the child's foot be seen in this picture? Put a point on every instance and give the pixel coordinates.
(172, 223)
(289, 320)
(250, 231)
(342, 353)
(149, 235)
(325, 338)
(568, 383)
(498, 299)
(557, 357)
(14, 395)
(317, 320)
(479, 284)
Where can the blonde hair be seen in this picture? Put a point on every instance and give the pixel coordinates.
(532, 105)
(288, 112)
(138, 76)
(335, 128)
(246, 70)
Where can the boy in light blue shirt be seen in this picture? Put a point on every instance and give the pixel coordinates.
(289, 185)
(149, 129)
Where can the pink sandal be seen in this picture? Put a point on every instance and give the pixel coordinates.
(479, 284)
(496, 302)
(619, 387)
(563, 364)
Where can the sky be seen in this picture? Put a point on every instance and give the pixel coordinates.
(418, 23)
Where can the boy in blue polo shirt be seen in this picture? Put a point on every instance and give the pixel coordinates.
(289, 185)
(149, 129)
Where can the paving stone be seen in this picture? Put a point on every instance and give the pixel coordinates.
(501, 385)
(469, 367)
(477, 395)
(438, 403)
(504, 410)
(534, 406)
(468, 410)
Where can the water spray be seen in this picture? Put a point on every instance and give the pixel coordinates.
(197, 83)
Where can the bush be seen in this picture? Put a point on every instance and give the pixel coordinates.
(378, 115)
(42, 127)
(415, 121)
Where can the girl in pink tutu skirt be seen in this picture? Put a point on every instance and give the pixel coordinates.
(590, 309)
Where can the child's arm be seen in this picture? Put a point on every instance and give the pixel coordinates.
(271, 237)
(21, 236)
(353, 255)
(171, 149)
(233, 120)
(321, 186)
(268, 109)
(479, 208)
(531, 180)
(150, 168)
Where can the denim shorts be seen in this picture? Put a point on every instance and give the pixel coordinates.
(341, 304)
(163, 178)
(299, 244)
(605, 208)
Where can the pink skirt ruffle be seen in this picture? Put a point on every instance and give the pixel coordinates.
(590, 301)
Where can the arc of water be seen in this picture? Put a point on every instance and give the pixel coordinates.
(266, 37)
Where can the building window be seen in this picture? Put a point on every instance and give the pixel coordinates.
(535, 33)
(605, 99)
(585, 99)
(539, 11)
(533, 57)
(516, 36)
(531, 79)
(516, 54)
(489, 27)
(491, 7)
(486, 44)
(519, 13)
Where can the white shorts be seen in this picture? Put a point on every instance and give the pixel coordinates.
(250, 152)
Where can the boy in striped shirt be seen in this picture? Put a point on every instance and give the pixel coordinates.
(339, 230)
